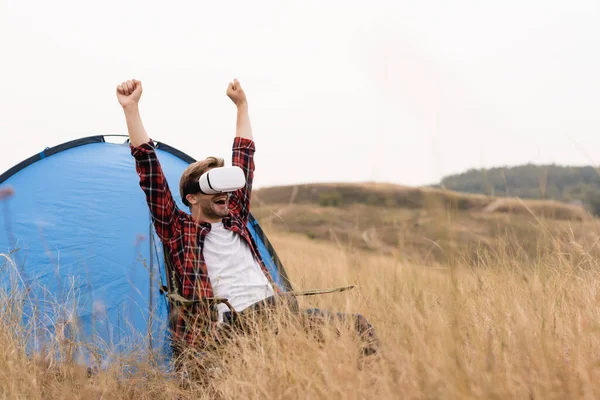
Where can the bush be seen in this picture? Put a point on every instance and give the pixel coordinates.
(592, 201)
(333, 199)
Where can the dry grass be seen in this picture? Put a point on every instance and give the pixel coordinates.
(491, 324)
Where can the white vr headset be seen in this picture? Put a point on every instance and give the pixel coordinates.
(217, 180)
(221, 180)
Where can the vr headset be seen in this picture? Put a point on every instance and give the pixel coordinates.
(216, 180)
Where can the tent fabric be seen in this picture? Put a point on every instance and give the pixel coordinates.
(84, 253)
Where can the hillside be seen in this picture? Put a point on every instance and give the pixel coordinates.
(425, 224)
(561, 183)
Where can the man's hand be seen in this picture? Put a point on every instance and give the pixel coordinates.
(236, 93)
(129, 93)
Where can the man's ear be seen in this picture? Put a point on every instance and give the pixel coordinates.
(191, 199)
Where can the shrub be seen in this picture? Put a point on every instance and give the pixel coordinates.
(592, 201)
(333, 199)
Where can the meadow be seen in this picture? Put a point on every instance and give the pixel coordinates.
(469, 302)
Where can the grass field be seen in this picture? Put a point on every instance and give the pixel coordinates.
(504, 312)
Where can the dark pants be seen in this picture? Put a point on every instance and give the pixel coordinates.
(313, 319)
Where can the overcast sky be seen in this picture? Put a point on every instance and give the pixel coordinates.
(393, 91)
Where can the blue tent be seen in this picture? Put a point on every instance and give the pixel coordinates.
(82, 253)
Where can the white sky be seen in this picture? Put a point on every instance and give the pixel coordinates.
(393, 91)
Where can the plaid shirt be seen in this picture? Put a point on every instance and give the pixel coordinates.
(183, 237)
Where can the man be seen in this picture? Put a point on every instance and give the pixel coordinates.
(210, 249)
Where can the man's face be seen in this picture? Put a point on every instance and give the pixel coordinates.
(212, 207)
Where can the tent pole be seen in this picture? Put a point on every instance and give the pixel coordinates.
(150, 287)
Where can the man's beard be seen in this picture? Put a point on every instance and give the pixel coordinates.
(209, 209)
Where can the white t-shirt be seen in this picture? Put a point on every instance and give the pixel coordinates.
(233, 271)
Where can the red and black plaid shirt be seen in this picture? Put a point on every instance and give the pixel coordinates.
(183, 237)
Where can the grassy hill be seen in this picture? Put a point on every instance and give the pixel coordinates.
(397, 196)
(562, 183)
(425, 224)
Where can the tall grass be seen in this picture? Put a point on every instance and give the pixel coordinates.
(493, 325)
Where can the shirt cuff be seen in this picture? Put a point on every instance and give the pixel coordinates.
(240, 143)
(143, 149)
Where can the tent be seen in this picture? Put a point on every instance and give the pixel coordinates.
(82, 252)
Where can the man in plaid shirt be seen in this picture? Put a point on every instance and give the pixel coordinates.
(215, 231)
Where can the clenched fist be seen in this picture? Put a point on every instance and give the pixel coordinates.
(236, 93)
(129, 93)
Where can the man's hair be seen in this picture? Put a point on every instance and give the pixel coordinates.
(195, 171)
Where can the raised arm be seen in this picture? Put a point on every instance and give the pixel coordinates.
(243, 151)
(153, 182)
(129, 94)
(235, 92)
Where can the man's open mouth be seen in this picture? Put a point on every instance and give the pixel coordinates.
(221, 200)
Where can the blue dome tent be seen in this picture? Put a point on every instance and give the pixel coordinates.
(79, 245)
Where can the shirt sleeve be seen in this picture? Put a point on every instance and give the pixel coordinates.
(153, 182)
(243, 157)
